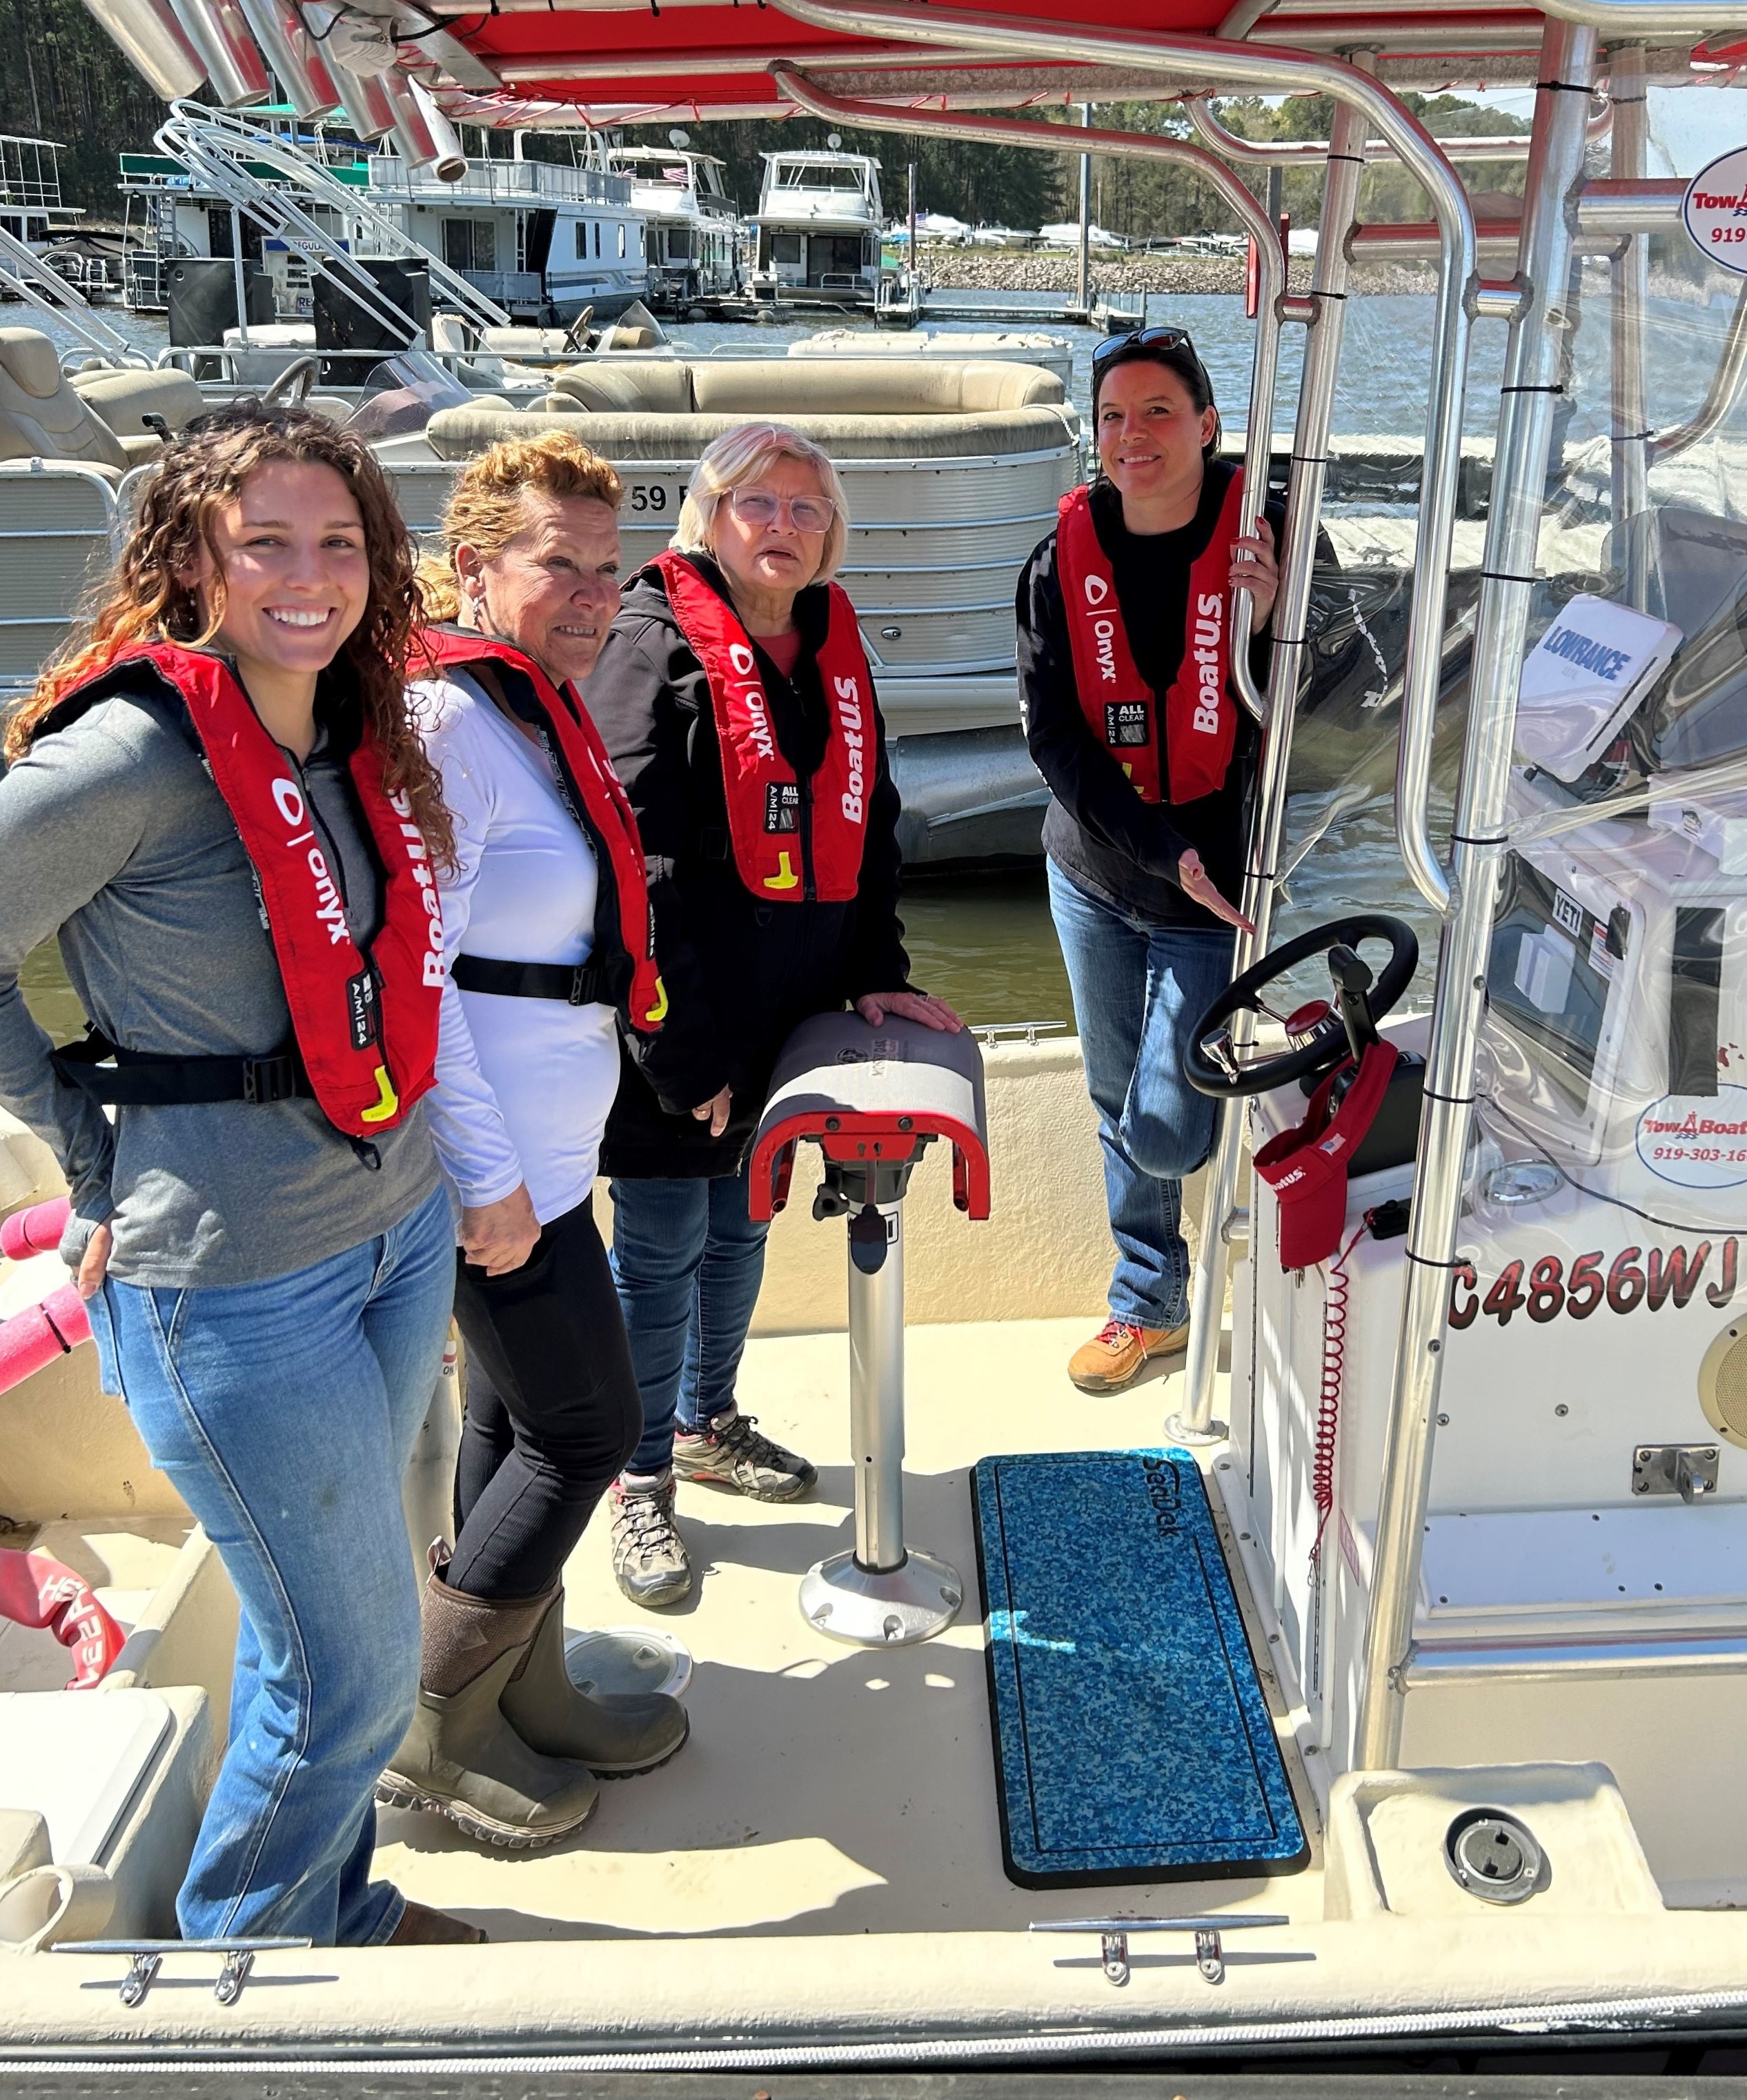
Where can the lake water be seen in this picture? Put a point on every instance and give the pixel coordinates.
(986, 942)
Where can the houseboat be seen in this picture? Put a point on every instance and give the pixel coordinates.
(819, 230)
(692, 232)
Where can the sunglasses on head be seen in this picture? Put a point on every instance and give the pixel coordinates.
(1147, 338)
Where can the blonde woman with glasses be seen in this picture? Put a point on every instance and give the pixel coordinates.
(734, 696)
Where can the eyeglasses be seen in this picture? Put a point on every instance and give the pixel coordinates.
(806, 514)
(1150, 338)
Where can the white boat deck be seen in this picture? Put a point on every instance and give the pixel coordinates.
(825, 1789)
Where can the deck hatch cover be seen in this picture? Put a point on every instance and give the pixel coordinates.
(1132, 1741)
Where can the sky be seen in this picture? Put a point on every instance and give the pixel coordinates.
(1689, 126)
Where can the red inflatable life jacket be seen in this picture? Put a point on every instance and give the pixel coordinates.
(773, 817)
(364, 1022)
(621, 969)
(1200, 722)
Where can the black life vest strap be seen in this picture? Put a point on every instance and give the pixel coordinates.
(137, 1079)
(590, 983)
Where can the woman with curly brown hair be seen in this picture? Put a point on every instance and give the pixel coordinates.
(219, 803)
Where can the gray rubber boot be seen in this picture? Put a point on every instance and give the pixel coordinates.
(461, 1757)
(614, 1734)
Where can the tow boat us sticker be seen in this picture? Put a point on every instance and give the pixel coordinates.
(1696, 1141)
(1715, 210)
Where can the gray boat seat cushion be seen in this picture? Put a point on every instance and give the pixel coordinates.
(41, 416)
(779, 390)
(122, 398)
(459, 433)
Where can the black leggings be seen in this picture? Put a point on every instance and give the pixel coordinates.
(553, 1410)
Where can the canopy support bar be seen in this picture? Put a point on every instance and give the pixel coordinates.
(1270, 70)
(1538, 347)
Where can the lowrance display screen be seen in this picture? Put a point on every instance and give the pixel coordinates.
(1549, 975)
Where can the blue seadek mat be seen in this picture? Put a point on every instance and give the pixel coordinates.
(1132, 1741)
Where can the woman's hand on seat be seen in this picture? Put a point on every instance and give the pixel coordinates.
(500, 1237)
(715, 1111)
(1254, 569)
(874, 1006)
(1194, 882)
(93, 1264)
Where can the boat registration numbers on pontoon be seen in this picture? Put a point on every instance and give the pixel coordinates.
(651, 496)
(1715, 209)
(1546, 1289)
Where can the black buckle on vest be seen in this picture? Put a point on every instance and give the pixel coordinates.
(582, 990)
(269, 1079)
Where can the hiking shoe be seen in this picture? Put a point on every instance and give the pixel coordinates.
(422, 1927)
(650, 1560)
(1116, 1353)
(730, 1452)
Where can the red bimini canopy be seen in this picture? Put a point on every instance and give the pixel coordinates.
(631, 61)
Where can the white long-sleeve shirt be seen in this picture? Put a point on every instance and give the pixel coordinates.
(524, 1085)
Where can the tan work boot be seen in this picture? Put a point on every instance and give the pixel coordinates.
(1116, 1353)
(462, 1757)
(614, 1734)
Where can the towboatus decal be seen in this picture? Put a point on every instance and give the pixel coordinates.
(1547, 1289)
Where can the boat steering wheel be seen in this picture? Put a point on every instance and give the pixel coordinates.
(1320, 1033)
(576, 337)
(292, 385)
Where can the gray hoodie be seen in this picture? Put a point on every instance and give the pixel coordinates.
(112, 834)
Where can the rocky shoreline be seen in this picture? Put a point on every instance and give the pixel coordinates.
(1115, 277)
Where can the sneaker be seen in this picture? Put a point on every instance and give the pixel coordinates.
(731, 1453)
(1116, 1353)
(650, 1560)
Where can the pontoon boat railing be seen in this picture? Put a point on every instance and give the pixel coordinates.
(1268, 69)
(1610, 18)
(1629, 272)
(1533, 362)
(1723, 392)
(50, 294)
(214, 144)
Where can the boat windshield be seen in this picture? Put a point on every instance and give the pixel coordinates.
(809, 177)
(404, 391)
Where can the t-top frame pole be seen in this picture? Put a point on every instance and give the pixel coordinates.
(796, 85)
(1270, 69)
(1534, 360)
(1194, 1422)
(1326, 308)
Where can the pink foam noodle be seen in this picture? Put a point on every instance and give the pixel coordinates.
(35, 1231)
(40, 1333)
(36, 1591)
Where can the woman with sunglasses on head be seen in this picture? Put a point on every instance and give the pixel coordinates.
(1124, 637)
(734, 696)
(219, 803)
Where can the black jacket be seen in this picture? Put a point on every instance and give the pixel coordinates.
(1096, 828)
(740, 972)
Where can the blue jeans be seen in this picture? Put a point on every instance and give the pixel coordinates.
(688, 1262)
(1138, 988)
(285, 1413)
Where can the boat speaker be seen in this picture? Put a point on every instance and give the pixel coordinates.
(1722, 1383)
(202, 292)
(341, 324)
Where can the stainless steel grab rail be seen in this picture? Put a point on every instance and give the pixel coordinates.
(1313, 152)
(1353, 89)
(806, 94)
(1533, 366)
